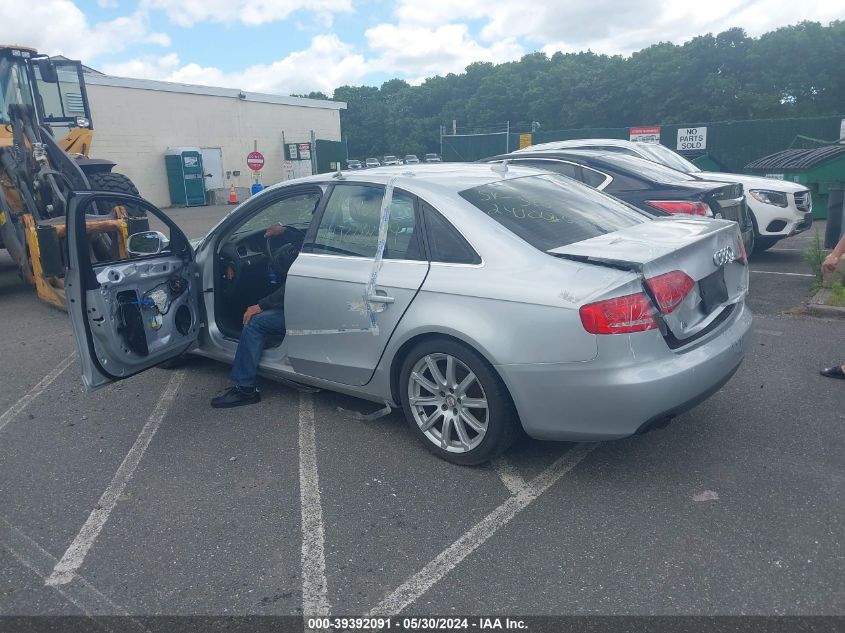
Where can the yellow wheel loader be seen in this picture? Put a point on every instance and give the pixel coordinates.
(45, 138)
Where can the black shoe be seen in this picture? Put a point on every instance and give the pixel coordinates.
(834, 372)
(236, 397)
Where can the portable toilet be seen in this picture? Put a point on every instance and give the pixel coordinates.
(818, 169)
(185, 176)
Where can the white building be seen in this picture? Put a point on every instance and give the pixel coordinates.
(136, 120)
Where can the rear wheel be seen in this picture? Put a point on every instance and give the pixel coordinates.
(455, 402)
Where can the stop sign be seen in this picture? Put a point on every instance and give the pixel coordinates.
(255, 161)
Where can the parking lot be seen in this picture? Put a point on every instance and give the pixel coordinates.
(141, 499)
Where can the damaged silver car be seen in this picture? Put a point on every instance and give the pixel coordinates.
(482, 301)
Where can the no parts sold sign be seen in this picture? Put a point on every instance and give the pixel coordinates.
(692, 138)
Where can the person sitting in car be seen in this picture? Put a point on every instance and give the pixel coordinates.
(265, 318)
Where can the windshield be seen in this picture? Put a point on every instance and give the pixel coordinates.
(666, 156)
(14, 86)
(548, 211)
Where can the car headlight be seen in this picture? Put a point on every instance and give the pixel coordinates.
(765, 196)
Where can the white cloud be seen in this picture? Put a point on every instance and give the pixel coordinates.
(421, 51)
(60, 27)
(249, 12)
(324, 65)
(612, 26)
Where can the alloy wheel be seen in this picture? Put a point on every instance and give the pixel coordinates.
(448, 403)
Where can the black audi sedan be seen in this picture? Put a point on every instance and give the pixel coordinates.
(649, 186)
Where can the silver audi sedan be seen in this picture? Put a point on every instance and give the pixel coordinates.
(481, 300)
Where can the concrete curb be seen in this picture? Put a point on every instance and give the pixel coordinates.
(817, 306)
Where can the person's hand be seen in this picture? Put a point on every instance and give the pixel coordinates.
(830, 263)
(276, 229)
(251, 311)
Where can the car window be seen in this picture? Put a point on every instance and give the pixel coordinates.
(592, 177)
(295, 211)
(445, 244)
(565, 169)
(350, 224)
(548, 211)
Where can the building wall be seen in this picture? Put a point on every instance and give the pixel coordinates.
(134, 126)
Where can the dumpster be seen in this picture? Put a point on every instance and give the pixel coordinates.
(818, 169)
(185, 176)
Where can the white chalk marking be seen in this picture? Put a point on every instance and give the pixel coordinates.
(448, 559)
(36, 391)
(90, 600)
(315, 600)
(760, 330)
(513, 481)
(73, 558)
(774, 272)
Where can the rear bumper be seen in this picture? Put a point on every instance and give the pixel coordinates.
(599, 400)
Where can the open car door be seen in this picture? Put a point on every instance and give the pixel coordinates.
(134, 309)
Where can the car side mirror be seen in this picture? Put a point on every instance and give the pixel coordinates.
(47, 70)
(147, 243)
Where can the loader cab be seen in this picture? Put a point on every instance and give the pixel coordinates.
(53, 87)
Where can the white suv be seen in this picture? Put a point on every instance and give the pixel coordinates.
(778, 208)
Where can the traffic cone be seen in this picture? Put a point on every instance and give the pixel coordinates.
(233, 196)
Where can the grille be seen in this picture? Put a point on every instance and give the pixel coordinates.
(804, 201)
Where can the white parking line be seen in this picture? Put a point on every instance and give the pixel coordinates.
(66, 568)
(81, 593)
(448, 559)
(36, 391)
(513, 481)
(315, 600)
(774, 272)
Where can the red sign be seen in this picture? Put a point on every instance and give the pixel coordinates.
(255, 161)
(644, 134)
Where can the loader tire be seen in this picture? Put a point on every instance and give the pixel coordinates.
(111, 181)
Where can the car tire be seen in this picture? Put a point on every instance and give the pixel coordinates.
(474, 433)
(761, 242)
(118, 183)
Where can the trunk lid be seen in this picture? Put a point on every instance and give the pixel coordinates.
(708, 251)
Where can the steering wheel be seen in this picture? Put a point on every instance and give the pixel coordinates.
(282, 257)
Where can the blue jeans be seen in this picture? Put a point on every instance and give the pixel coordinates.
(251, 345)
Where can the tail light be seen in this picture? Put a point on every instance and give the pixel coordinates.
(681, 207)
(620, 315)
(670, 289)
(743, 255)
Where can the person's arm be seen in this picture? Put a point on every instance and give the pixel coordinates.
(832, 261)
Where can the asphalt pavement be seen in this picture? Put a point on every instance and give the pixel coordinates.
(159, 504)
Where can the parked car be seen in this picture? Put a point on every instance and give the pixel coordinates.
(372, 162)
(431, 158)
(411, 159)
(354, 164)
(778, 208)
(500, 297)
(647, 185)
(390, 160)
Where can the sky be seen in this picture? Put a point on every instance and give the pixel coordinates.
(299, 46)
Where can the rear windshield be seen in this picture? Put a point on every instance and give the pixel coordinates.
(548, 211)
(646, 168)
(666, 156)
